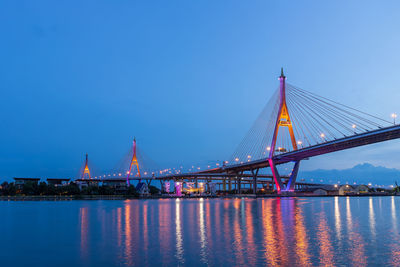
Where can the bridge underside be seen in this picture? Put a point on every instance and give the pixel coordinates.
(241, 182)
(376, 136)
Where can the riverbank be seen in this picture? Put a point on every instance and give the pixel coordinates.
(122, 197)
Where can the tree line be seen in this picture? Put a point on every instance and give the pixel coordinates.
(44, 189)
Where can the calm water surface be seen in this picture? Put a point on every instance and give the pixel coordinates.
(198, 232)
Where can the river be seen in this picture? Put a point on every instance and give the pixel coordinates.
(315, 231)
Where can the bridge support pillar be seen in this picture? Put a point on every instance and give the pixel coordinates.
(255, 173)
(277, 177)
(239, 183)
(162, 185)
(230, 184)
(292, 180)
(224, 184)
(278, 181)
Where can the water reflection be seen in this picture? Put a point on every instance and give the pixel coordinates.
(355, 241)
(84, 231)
(237, 233)
(301, 238)
(128, 235)
(249, 226)
(348, 215)
(274, 236)
(119, 226)
(145, 232)
(270, 241)
(395, 247)
(203, 242)
(164, 221)
(326, 250)
(372, 218)
(251, 232)
(178, 230)
(394, 217)
(338, 223)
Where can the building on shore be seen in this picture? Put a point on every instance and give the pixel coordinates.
(57, 181)
(321, 190)
(346, 190)
(142, 189)
(82, 183)
(119, 185)
(361, 189)
(19, 182)
(334, 190)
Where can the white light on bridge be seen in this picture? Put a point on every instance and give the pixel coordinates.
(322, 135)
(353, 126)
(236, 159)
(269, 148)
(394, 116)
(299, 142)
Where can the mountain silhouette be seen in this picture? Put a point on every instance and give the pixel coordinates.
(360, 174)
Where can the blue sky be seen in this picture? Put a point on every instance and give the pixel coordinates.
(187, 78)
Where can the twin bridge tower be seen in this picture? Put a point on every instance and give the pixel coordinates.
(134, 162)
(283, 120)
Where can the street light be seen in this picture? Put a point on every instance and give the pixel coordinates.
(394, 116)
(299, 143)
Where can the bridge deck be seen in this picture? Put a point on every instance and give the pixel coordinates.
(376, 136)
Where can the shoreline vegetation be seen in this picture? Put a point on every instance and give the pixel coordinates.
(72, 191)
(124, 197)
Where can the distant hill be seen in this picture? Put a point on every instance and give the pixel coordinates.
(360, 174)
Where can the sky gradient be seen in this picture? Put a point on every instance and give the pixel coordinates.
(187, 78)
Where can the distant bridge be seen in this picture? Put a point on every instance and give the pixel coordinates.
(295, 125)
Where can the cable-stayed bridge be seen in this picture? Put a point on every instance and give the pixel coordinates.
(294, 125)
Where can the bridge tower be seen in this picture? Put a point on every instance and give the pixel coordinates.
(86, 170)
(283, 120)
(134, 162)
